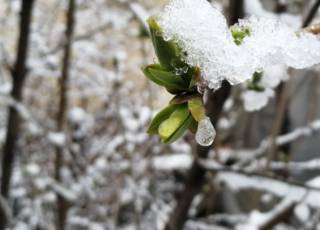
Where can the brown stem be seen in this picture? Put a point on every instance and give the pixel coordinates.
(196, 175)
(62, 205)
(14, 120)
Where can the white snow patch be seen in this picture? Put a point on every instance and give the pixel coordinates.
(302, 212)
(202, 32)
(254, 100)
(57, 139)
(76, 115)
(32, 169)
(172, 162)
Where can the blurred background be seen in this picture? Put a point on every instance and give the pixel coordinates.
(75, 107)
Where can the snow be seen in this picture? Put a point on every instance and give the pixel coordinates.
(257, 219)
(293, 192)
(32, 169)
(315, 182)
(57, 139)
(302, 212)
(76, 115)
(202, 32)
(5, 88)
(254, 100)
(255, 8)
(172, 162)
(271, 78)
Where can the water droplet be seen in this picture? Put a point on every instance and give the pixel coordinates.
(205, 133)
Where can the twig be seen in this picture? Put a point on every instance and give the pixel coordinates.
(249, 173)
(196, 175)
(62, 204)
(14, 121)
(299, 132)
(312, 14)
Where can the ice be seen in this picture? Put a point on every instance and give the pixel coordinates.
(202, 32)
(205, 132)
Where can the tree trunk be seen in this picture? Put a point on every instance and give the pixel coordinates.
(14, 121)
(196, 175)
(62, 204)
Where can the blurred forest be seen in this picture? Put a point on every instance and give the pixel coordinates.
(75, 108)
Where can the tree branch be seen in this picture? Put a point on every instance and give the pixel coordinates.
(14, 120)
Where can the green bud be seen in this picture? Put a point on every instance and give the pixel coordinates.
(196, 107)
(168, 53)
(254, 83)
(239, 33)
(160, 117)
(175, 123)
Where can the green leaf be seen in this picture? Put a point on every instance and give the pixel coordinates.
(168, 53)
(196, 108)
(180, 131)
(168, 127)
(160, 117)
(164, 78)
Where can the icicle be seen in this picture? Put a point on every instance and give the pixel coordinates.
(205, 133)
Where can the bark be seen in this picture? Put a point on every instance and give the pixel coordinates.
(62, 204)
(196, 175)
(19, 72)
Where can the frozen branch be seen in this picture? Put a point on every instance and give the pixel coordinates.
(281, 140)
(268, 220)
(239, 180)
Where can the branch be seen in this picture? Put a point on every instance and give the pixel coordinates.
(299, 132)
(312, 14)
(239, 180)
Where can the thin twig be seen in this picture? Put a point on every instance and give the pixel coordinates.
(312, 13)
